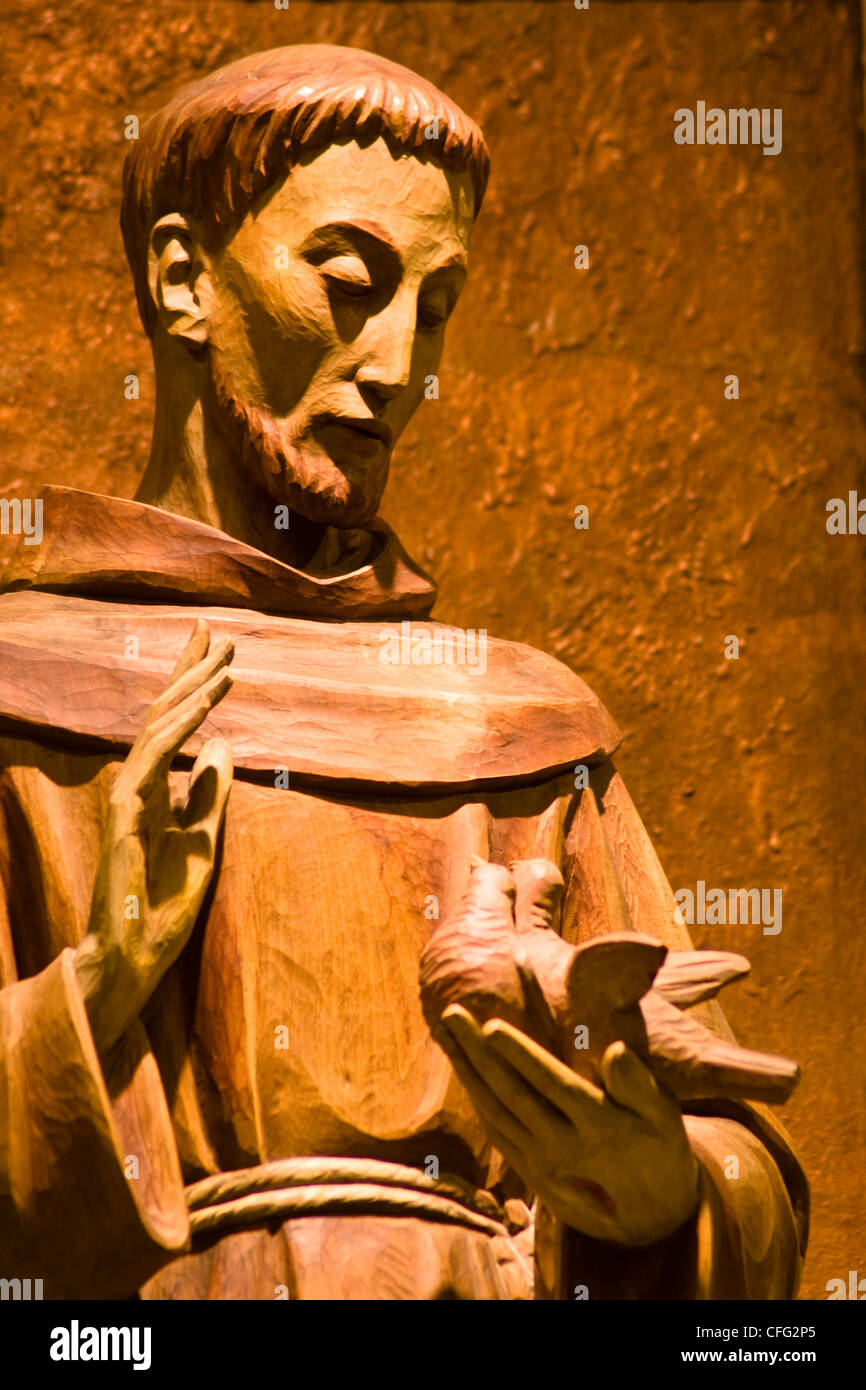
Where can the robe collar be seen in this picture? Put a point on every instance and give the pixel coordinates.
(108, 547)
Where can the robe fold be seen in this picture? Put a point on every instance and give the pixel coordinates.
(290, 1027)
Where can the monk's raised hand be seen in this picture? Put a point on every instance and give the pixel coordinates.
(157, 858)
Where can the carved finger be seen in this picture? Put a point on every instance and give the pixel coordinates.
(171, 731)
(202, 817)
(495, 1115)
(209, 785)
(191, 680)
(575, 1097)
(194, 651)
(633, 1086)
(537, 1111)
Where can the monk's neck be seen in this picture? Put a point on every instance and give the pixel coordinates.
(191, 473)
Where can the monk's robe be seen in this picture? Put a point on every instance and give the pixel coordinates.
(279, 1122)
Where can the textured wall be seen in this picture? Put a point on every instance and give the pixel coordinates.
(560, 386)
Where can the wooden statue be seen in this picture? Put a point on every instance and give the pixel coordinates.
(252, 1044)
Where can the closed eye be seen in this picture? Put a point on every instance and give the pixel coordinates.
(348, 274)
(433, 310)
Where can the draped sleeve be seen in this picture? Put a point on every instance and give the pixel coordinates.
(748, 1235)
(91, 1194)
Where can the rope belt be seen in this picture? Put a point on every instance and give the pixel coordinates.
(290, 1187)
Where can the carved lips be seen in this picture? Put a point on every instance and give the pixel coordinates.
(364, 437)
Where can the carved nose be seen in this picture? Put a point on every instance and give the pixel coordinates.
(386, 357)
(377, 393)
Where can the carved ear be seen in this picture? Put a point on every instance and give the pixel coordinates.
(178, 279)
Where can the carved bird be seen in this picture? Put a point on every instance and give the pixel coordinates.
(500, 956)
(470, 959)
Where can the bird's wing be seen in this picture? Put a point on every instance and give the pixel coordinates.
(690, 977)
(694, 1063)
(616, 969)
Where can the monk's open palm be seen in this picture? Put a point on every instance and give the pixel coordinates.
(156, 859)
(613, 1163)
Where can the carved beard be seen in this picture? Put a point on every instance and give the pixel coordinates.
(307, 481)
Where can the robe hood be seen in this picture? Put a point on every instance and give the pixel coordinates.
(336, 678)
(112, 548)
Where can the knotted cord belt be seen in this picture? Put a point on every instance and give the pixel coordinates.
(316, 1186)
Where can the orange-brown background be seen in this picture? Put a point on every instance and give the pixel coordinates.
(603, 387)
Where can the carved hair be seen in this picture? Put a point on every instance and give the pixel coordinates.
(221, 143)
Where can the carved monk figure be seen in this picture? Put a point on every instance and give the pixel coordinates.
(231, 825)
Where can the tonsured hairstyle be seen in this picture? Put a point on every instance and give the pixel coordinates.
(221, 143)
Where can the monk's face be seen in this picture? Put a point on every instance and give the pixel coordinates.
(328, 319)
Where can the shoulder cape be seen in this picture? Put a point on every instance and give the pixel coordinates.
(332, 701)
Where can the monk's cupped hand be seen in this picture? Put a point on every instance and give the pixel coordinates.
(612, 1162)
(157, 857)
